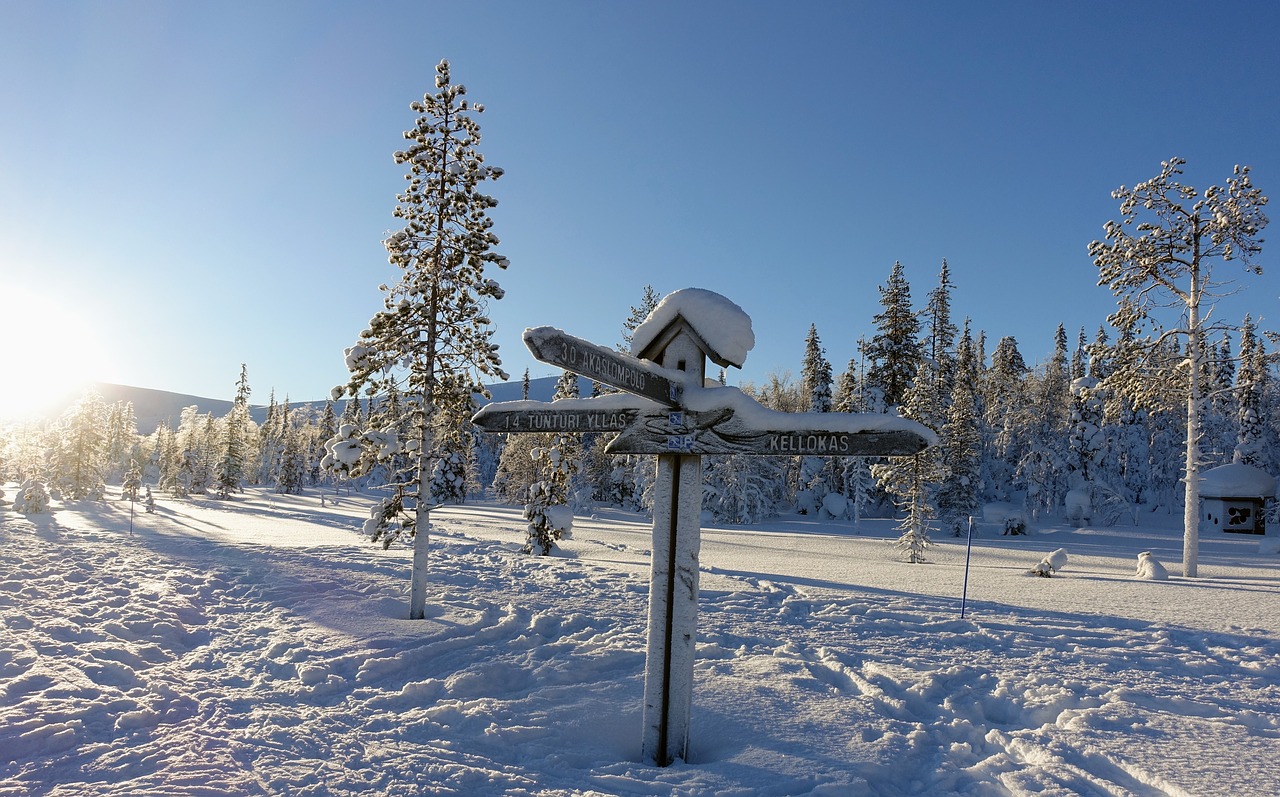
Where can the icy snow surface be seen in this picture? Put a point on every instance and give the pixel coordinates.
(724, 326)
(258, 646)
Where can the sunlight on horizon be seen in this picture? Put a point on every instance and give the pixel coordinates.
(51, 354)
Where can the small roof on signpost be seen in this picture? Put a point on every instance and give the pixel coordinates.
(721, 328)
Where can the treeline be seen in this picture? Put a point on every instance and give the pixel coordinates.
(1091, 431)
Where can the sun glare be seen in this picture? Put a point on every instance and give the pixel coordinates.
(50, 354)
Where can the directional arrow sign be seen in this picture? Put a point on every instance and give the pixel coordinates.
(530, 416)
(721, 432)
(553, 346)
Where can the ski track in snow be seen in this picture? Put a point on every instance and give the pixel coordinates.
(258, 647)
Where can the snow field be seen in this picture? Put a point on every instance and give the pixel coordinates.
(257, 646)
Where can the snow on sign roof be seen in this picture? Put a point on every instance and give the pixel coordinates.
(1236, 480)
(723, 326)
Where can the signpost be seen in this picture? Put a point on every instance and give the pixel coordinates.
(679, 435)
(604, 365)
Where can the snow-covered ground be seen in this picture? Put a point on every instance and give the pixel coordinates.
(258, 646)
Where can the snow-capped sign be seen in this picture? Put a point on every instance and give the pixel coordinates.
(721, 431)
(601, 414)
(722, 327)
(667, 410)
(604, 365)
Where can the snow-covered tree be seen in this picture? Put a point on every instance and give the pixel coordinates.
(290, 472)
(1250, 441)
(122, 438)
(546, 507)
(131, 484)
(326, 427)
(433, 333)
(32, 498)
(1053, 400)
(742, 488)
(918, 504)
(915, 479)
(1006, 403)
(817, 476)
(940, 332)
(638, 314)
(815, 373)
(960, 442)
(231, 466)
(79, 458)
(1161, 253)
(894, 351)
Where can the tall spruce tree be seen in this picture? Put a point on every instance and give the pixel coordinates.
(815, 373)
(1162, 252)
(638, 314)
(939, 343)
(433, 334)
(894, 351)
(960, 440)
(231, 466)
(1250, 439)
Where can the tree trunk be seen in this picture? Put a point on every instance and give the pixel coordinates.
(422, 533)
(1195, 366)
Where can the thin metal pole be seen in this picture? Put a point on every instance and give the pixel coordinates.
(968, 548)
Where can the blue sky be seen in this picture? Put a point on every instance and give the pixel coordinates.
(191, 186)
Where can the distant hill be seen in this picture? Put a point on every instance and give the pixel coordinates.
(154, 407)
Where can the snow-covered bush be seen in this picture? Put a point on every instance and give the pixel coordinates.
(1150, 568)
(132, 482)
(1015, 523)
(914, 541)
(449, 479)
(546, 506)
(835, 505)
(1050, 564)
(32, 498)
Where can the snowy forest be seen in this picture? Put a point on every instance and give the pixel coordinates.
(1029, 433)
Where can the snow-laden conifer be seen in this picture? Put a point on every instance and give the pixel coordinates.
(894, 351)
(960, 441)
(815, 373)
(432, 337)
(546, 506)
(231, 465)
(940, 332)
(79, 458)
(1250, 445)
(32, 498)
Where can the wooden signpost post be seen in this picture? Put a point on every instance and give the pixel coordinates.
(680, 421)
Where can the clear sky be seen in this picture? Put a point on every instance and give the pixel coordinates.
(188, 186)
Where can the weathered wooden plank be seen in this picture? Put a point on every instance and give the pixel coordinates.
(723, 433)
(496, 418)
(604, 365)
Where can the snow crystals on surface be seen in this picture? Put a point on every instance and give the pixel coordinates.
(259, 646)
(724, 326)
